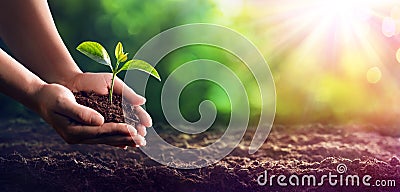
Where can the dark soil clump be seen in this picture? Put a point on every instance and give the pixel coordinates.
(111, 112)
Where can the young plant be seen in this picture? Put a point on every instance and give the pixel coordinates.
(99, 54)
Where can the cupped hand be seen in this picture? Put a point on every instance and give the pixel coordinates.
(80, 124)
(101, 82)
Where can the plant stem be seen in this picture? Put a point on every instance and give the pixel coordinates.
(112, 87)
(114, 71)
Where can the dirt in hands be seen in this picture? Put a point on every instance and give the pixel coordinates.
(111, 112)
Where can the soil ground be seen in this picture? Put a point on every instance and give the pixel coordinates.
(34, 158)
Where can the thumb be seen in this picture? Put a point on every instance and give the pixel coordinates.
(82, 114)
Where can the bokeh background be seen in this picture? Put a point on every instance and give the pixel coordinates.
(333, 61)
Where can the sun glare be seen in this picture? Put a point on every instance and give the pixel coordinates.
(343, 46)
(346, 9)
(348, 16)
(333, 34)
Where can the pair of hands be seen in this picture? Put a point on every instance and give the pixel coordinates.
(78, 124)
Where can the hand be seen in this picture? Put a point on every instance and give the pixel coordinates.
(80, 124)
(101, 83)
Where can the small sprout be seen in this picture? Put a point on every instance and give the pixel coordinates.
(99, 54)
(119, 53)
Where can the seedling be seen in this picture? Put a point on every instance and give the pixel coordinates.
(99, 54)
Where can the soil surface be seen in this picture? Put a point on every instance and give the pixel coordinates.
(34, 158)
(111, 112)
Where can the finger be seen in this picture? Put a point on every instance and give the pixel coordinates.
(130, 95)
(82, 114)
(141, 129)
(92, 82)
(117, 140)
(117, 129)
(107, 129)
(143, 116)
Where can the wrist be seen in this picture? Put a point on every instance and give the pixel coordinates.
(33, 99)
(63, 71)
(67, 79)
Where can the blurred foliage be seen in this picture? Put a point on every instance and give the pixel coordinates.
(135, 22)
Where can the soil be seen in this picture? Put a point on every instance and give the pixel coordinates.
(34, 158)
(111, 112)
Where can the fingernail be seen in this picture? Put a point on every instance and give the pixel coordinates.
(144, 99)
(140, 142)
(143, 143)
(132, 130)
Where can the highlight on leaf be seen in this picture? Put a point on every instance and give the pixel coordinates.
(118, 49)
(122, 58)
(142, 66)
(95, 51)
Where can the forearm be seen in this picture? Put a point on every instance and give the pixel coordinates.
(27, 27)
(18, 82)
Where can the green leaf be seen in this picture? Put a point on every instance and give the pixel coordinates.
(122, 57)
(140, 65)
(95, 51)
(119, 50)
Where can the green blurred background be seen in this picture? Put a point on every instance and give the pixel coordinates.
(333, 62)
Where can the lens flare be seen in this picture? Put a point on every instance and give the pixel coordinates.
(230, 8)
(398, 55)
(374, 75)
(388, 27)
